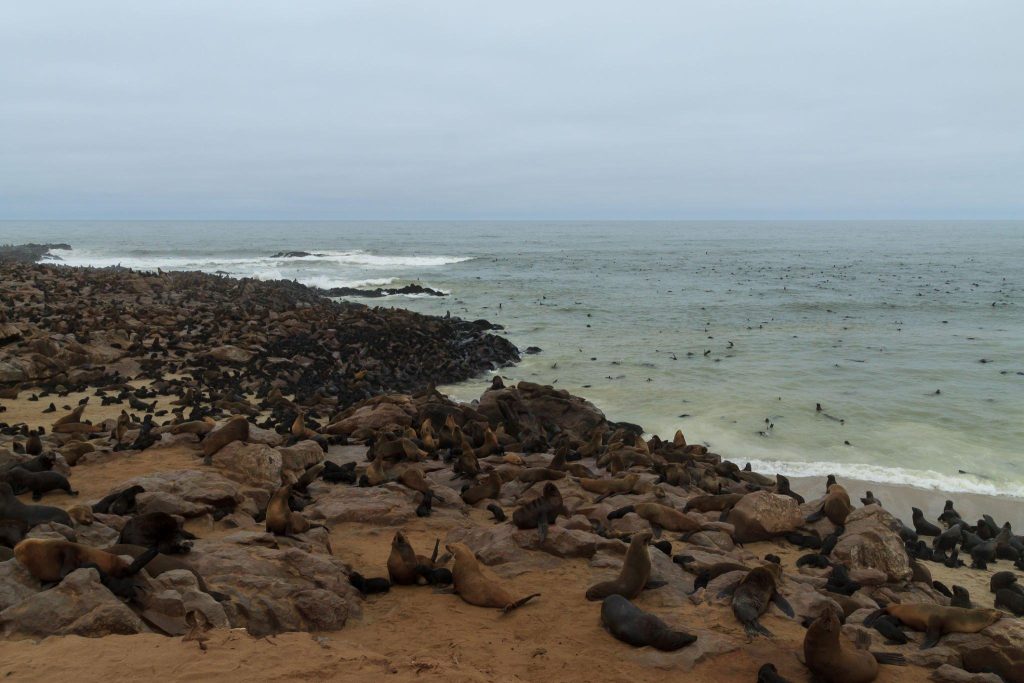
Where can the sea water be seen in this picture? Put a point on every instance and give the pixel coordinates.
(909, 334)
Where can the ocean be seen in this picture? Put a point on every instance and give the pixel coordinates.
(910, 335)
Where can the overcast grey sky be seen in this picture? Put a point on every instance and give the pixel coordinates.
(572, 109)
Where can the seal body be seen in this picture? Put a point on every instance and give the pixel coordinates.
(834, 659)
(476, 588)
(636, 571)
(12, 508)
(50, 560)
(632, 625)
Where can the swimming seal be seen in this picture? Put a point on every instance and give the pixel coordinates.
(632, 625)
(12, 508)
(752, 595)
(834, 659)
(474, 587)
(634, 575)
(937, 620)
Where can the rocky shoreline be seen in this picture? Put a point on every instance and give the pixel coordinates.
(287, 457)
(29, 253)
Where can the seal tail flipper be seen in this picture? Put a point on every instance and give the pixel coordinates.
(754, 629)
(519, 603)
(815, 516)
(141, 561)
(890, 658)
(621, 512)
(783, 605)
(931, 636)
(433, 556)
(870, 619)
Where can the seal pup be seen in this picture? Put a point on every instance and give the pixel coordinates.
(869, 499)
(938, 620)
(1011, 600)
(120, 502)
(632, 625)
(541, 511)
(832, 658)
(752, 595)
(634, 575)
(475, 587)
(769, 674)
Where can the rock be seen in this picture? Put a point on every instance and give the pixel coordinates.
(16, 584)
(762, 515)
(274, 590)
(176, 592)
(298, 457)
(871, 542)
(387, 505)
(97, 535)
(252, 464)
(952, 674)
(374, 415)
(868, 576)
(189, 493)
(540, 410)
(80, 605)
(709, 644)
(53, 530)
(230, 354)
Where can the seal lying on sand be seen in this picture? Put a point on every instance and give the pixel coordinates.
(473, 586)
(834, 659)
(632, 625)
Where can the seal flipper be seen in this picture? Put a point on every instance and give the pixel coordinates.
(870, 619)
(656, 530)
(433, 556)
(783, 605)
(932, 634)
(754, 629)
(542, 528)
(890, 658)
(621, 512)
(141, 561)
(654, 583)
(518, 603)
(815, 516)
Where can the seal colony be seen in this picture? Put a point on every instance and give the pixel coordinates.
(245, 429)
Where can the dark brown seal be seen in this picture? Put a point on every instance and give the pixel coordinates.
(635, 573)
(753, 594)
(632, 625)
(834, 659)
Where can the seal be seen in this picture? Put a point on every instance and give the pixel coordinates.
(120, 502)
(836, 506)
(937, 620)
(12, 531)
(159, 530)
(608, 487)
(475, 587)
(635, 573)
(236, 429)
(660, 517)
(50, 560)
(632, 625)
(38, 483)
(752, 595)
(280, 519)
(12, 508)
(922, 526)
(541, 511)
(834, 659)
(719, 503)
(405, 567)
(1011, 600)
(490, 487)
(163, 563)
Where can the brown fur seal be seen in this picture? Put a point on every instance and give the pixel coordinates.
(834, 659)
(836, 506)
(38, 483)
(751, 596)
(532, 475)
(236, 429)
(405, 567)
(162, 563)
(475, 587)
(50, 560)
(660, 517)
(630, 624)
(938, 620)
(635, 573)
(280, 519)
(608, 487)
(719, 503)
(490, 487)
(541, 511)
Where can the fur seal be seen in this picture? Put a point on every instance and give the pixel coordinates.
(236, 429)
(490, 487)
(162, 563)
(159, 530)
(50, 560)
(922, 526)
(1011, 600)
(836, 506)
(541, 511)
(632, 625)
(834, 659)
(607, 487)
(937, 620)
(660, 517)
(12, 532)
(120, 502)
(12, 508)
(751, 596)
(634, 575)
(280, 519)
(406, 568)
(38, 483)
(719, 503)
(475, 587)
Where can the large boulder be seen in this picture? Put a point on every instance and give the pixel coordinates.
(230, 354)
(16, 584)
(252, 464)
(871, 541)
(273, 590)
(189, 493)
(80, 605)
(762, 515)
(298, 457)
(532, 411)
(375, 414)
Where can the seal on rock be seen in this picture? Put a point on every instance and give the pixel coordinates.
(632, 625)
(938, 620)
(752, 595)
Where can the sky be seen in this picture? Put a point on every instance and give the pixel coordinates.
(526, 110)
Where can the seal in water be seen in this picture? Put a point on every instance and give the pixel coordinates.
(632, 625)
(474, 587)
(635, 573)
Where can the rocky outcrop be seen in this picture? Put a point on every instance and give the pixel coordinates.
(762, 515)
(871, 542)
